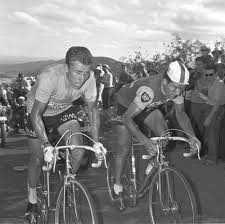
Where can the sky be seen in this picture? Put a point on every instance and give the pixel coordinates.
(115, 28)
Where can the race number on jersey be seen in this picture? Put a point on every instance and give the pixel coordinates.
(144, 97)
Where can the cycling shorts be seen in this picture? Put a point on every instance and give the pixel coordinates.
(52, 123)
(139, 119)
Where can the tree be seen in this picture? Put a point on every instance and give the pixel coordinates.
(187, 50)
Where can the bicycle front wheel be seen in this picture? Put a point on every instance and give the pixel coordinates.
(171, 199)
(3, 134)
(74, 205)
(42, 196)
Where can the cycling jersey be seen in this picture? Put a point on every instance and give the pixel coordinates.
(145, 92)
(53, 88)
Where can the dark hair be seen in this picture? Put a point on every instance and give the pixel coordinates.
(81, 54)
(200, 59)
(165, 76)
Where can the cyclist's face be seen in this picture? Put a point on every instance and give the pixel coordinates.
(173, 89)
(78, 73)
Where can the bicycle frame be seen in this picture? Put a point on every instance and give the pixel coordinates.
(46, 174)
(159, 163)
(68, 174)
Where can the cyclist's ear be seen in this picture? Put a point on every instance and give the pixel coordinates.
(164, 81)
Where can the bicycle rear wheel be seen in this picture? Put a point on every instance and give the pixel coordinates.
(74, 205)
(171, 199)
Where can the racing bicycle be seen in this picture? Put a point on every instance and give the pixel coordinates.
(73, 201)
(170, 195)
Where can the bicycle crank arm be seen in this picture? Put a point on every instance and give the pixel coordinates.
(120, 203)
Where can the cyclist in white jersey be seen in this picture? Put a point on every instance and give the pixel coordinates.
(51, 113)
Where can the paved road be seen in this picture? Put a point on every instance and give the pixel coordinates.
(209, 184)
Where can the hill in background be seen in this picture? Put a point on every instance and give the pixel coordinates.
(10, 71)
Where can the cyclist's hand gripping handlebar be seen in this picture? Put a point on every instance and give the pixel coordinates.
(47, 167)
(100, 153)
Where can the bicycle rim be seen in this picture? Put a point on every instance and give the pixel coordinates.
(171, 199)
(42, 200)
(3, 134)
(74, 205)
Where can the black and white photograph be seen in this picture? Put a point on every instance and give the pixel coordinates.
(112, 112)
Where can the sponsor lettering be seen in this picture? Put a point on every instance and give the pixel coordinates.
(145, 97)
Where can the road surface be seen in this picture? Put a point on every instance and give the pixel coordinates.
(209, 185)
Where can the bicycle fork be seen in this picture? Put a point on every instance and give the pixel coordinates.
(133, 169)
(47, 190)
(133, 179)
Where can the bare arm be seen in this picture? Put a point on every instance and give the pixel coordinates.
(132, 111)
(94, 119)
(101, 88)
(183, 119)
(36, 118)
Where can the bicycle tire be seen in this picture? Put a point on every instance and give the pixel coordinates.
(42, 199)
(3, 134)
(168, 204)
(73, 199)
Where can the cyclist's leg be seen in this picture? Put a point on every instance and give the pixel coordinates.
(35, 162)
(156, 122)
(34, 169)
(124, 145)
(77, 155)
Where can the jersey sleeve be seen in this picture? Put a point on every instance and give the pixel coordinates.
(90, 92)
(144, 97)
(178, 100)
(45, 86)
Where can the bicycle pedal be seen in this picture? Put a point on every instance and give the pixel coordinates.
(120, 202)
(32, 218)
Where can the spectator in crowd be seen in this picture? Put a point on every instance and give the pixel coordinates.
(124, 77)
(152, 72)
(208, 59)
(143, 70)
(216, 53)
(3, 101)
(108, 87)
(98, 72)
(212, 115)
(188, 91)
(140, 71)
(198, 105)
(32, 80)
(21, 86)
(10, 96)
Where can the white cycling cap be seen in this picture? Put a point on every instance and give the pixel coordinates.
(21, 98)
(98, 68)
(178, 73)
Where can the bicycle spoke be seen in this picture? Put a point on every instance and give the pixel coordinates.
(171, 199)
(42, 199)
(77, 206)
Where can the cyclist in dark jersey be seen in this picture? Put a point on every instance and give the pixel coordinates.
(138, 102)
